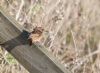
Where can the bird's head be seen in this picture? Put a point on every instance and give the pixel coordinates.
(38, 30)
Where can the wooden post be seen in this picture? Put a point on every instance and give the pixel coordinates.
(34, 58)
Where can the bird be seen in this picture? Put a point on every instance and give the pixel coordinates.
(36, 35)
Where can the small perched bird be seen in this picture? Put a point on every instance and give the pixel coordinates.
(35, 35)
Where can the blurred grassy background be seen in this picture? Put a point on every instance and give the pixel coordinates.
(72, 35)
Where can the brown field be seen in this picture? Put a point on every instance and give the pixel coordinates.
(72, 32)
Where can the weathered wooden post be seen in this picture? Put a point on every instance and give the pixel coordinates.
(34, 58)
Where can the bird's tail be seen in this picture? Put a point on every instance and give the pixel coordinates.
(30, 41)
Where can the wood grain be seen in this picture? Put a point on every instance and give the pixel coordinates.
(34, 58)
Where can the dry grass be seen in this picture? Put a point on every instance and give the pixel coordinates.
(8, 64)
(73, 29)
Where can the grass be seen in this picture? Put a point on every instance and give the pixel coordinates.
(78, 23)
